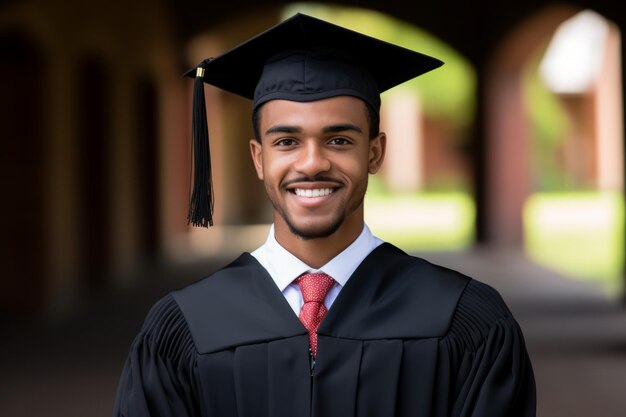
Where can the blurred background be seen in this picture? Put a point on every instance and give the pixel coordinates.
(507, 164)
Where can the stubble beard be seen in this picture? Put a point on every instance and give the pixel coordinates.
(322, 233)
(316, 234)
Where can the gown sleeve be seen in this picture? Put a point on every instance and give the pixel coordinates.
(489, 370)
(158, 378)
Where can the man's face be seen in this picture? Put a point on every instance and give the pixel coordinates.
(314, 160)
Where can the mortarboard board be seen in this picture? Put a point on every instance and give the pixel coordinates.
(300, 59)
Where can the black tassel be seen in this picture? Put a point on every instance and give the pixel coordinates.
(201, 202)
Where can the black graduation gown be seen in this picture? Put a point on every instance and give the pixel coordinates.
(403, 338)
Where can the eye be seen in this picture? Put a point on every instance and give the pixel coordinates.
(339, 141)
(284, 142)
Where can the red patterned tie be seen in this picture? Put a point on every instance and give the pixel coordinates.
(314, 288)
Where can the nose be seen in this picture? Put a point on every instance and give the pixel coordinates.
(312, 159)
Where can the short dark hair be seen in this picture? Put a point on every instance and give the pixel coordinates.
(373, 119)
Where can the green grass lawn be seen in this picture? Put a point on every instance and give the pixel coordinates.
(580, 234)
(422, 221)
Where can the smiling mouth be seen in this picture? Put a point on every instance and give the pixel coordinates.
(311, 193)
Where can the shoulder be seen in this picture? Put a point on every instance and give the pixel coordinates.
(165, 331)
(174, 322)
(481, 313)
(458, 306)
(210, 295)
(223, 279)
(213, 294)
(172, 315)
(394, 262)
(239, 304)
(406, 297)
(425, 282)
(469, 295)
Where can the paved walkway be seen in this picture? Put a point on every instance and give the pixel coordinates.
(576, 339)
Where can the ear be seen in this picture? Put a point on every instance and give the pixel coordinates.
(377, 152)
(256, 151)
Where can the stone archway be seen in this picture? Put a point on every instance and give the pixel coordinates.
(506, 129)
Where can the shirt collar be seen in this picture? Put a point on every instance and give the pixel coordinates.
(284, 267)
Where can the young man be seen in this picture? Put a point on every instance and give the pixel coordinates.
(324, 319)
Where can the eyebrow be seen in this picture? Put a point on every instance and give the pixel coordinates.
(342, 128)
(328, 129)
(282, 129)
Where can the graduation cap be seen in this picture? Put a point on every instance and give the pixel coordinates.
(300, 59)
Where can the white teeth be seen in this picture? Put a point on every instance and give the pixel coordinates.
(320, 192)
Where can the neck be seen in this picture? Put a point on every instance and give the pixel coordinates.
(319, 251)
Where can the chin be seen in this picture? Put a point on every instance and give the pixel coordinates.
(315, 232)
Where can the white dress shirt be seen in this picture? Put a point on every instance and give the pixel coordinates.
(284, 267)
